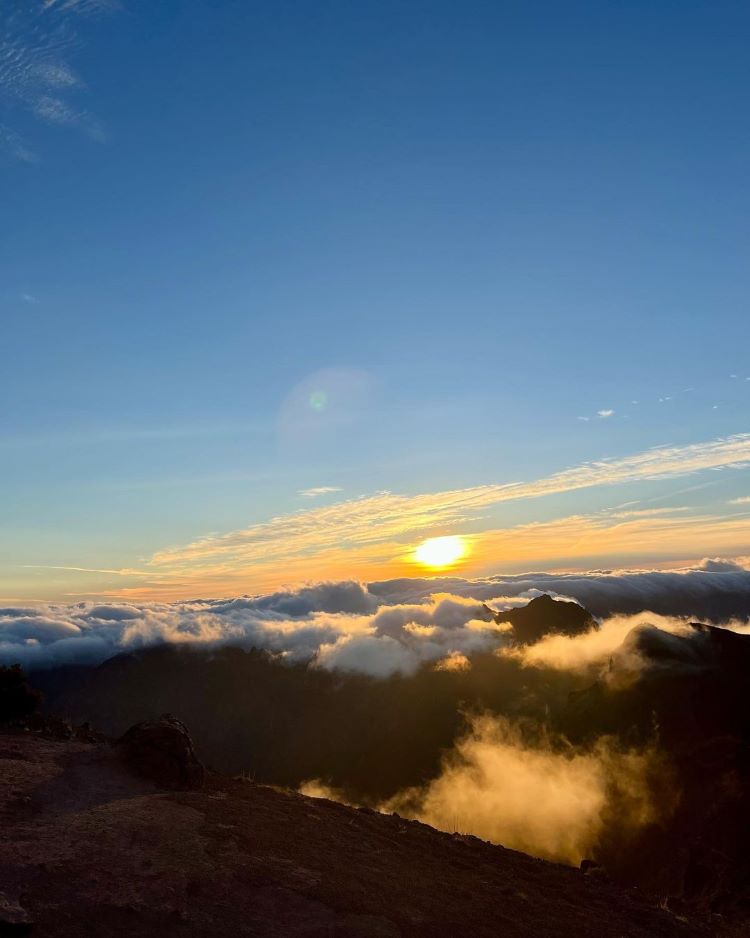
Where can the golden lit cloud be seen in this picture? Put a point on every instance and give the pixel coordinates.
(606, 536)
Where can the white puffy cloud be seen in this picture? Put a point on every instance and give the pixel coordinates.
(330, 625)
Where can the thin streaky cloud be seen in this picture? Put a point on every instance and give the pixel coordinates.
(126, 434)
(743, 500)
(124, 571)
(647, 512)
(84, 7)
(584, 536)
(683, 491)
(605, 413)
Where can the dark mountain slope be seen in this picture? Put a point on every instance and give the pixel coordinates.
(286, 724)
(89, 850)
(371, 737)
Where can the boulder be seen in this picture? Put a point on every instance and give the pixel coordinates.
(162, 751)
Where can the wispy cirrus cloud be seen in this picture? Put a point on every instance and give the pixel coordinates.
(70, 438)
(570, 540)
(743, 500)
(373, 535)
(85, 7)
(646, 512)
(15, 146)
(384, 516)
(37, 42)
(116, 571)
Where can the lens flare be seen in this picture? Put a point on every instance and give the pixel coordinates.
(318, 400)
(440, 551)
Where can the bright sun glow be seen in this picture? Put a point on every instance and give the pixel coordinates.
(440, 551)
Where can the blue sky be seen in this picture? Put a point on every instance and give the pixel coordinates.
(252, 249)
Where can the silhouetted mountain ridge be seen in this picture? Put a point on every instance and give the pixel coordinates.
(544, 615)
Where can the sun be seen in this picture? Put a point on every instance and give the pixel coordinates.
(440, 551)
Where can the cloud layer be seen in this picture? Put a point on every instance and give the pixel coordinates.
(382, 628)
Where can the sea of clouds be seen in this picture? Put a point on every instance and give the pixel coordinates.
(509, 782)
(384, 628)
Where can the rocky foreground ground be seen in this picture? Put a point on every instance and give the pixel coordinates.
(88, 848)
